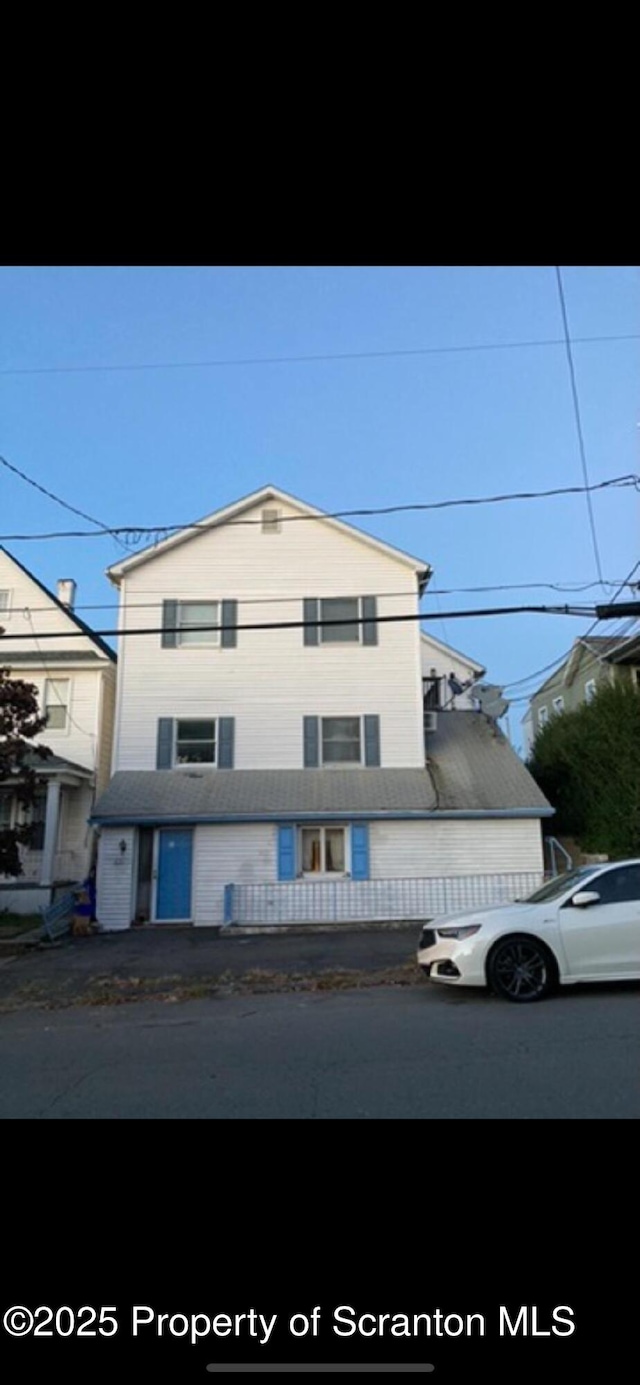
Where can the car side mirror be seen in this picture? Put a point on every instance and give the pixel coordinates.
(585, 897)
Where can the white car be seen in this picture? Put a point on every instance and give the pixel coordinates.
(581, 926)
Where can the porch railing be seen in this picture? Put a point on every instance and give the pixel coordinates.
(361, 901)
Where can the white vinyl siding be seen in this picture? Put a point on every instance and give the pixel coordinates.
(465, 846)
(224, 854)
(270, 680)
(247, 854)
(114, 878)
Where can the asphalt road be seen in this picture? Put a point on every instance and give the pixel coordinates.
(404, 1052)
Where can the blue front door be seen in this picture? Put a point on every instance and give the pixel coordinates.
(173, 887)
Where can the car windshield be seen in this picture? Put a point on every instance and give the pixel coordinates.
(559, 885)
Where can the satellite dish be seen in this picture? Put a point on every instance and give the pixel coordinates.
(490, 700)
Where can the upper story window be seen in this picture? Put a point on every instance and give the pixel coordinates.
(271, 521)
(194, 614)
(558, 704)
(195, 742)
(590, 690)
(6, 800)
(5, 602)
(543, 716)
(56, 703)
(355, 617)
(199, 624)
(342, 608)
(341, 741)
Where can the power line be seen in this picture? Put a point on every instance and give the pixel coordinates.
(310, 359)
(576, 410)
(137, 532)
(614, 598)
(57, 499)
(288, 600)
(580, 611)
(594, 658)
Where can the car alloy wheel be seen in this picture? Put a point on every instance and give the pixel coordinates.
(521, 969)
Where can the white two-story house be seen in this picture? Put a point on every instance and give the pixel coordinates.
(270, 760)
(75, 678)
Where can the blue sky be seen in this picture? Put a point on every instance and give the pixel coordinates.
(168, 445)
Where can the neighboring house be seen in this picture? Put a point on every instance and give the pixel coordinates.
(594, 661)
(76, 682)
(282, 772)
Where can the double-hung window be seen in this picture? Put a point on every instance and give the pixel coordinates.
(192, 616)
(340, 620)
(340, 608)
(199, 624)
(341, 741)
(323, 850)
(56, 703)
(590, 690)
(558, 704)
(543, 716)
(5, 602)
(195, 742)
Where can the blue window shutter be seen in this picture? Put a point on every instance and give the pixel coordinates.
(169, 623)
(311, 743)
(310, 612)
(226, 727)
(229, 637)
(164, 745)
(372, 740)
(360, 851)
(369, 613)
(286, 853)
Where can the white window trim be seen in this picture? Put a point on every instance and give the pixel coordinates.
(195, 764)
(322, 827)
(357, 639)
(8, 592)
(543, 716)
(558, 704)
(213, 636)
(341, 764)
(590, 689)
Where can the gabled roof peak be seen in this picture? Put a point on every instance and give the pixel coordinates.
(229, 514)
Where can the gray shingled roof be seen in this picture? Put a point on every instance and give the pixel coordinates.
(472, 769)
